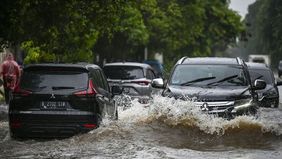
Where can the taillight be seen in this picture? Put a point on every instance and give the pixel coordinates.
(15, 123)
(90, 126)
(21, 92)
(143, 83)
(89, 92)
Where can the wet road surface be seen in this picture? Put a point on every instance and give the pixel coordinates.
(166, 129)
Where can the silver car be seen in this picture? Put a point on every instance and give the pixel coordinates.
(134, 78)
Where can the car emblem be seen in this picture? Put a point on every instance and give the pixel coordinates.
(205, 107)
(52, 96)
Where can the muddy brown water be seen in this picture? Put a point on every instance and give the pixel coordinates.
(165, 129)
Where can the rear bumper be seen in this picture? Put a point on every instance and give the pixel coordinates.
(50, 124)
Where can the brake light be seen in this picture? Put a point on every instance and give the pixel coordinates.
(15, 124)
(21, 92)
(143, 83)
(90, 126)
(90, 91)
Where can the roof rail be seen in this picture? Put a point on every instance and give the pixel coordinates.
(182, 60)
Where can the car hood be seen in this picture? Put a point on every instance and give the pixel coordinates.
(210, 93)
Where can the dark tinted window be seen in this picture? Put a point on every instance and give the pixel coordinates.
(123, 72)
(99, 79)
(150, 74)
(50, 79)
(104, 79)
(208, 75)
(265, 75)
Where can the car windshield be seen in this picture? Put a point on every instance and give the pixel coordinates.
(124, 72)
(208, 75)
(53, 80)
(261, 74)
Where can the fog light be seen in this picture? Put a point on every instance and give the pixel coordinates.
(242, 104)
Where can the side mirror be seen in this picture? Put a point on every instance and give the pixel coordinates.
(158, 83)
(117, 90)
(259, 84)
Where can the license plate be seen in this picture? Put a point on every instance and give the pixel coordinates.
(53, 105)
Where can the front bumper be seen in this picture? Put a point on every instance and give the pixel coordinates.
(227, 109)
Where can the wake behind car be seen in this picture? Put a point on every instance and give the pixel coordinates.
(220, 86)
(270, 95)
(134, 78)
(59, 100)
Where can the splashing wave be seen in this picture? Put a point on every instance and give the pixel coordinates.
(178, 113)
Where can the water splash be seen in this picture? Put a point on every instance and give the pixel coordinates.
(179, 113)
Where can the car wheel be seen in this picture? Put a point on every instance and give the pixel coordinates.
(116, 115)
(13, 135)
(276, 105)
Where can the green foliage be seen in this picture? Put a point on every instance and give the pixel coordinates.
(72, 31)
(265, 27)
(35, 54)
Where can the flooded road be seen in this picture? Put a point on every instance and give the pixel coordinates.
(166, 129)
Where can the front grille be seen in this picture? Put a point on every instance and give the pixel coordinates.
(215, 106)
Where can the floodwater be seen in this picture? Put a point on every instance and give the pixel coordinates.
(167, 128)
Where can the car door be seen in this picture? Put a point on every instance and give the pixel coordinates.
(104, 96)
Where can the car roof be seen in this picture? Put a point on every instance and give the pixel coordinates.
(254, 65)
(211, 60)
(143, 65)
(78, 65)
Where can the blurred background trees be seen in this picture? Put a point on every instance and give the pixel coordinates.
(264, 29)
(74, 30)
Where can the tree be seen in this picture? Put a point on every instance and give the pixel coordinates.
(75, 30)
(265, 28)
(66, 29)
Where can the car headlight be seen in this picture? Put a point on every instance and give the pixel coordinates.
(243, 104)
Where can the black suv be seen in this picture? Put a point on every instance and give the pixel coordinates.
(270, 95)
(59, 100)
(280, 68)
(220, 86)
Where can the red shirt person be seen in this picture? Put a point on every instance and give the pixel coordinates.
(10, 73)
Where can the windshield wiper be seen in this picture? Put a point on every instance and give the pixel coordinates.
(62, 87)
(224, 79)
(197, 80)
(259, 77)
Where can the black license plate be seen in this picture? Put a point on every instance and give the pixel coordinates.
(53, 105)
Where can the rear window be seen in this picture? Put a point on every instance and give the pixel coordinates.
(53, 79)
(123, 72)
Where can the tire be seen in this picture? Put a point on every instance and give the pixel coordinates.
(276, 105)
(116, 115)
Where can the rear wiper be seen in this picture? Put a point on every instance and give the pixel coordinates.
(62, 87)
(224, 79)
(197, 80)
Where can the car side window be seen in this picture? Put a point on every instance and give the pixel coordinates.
(96, 78)
(150, 74)
(104, 81)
